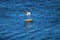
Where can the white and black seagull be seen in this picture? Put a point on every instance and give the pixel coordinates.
(28, 13)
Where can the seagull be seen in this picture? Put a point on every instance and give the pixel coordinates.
(28, 13)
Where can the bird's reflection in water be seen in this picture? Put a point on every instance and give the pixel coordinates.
(28, 25)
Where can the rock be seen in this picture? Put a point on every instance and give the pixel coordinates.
(28, 20)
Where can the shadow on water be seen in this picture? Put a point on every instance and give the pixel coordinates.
(47, 38)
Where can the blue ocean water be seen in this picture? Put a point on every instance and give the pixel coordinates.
(45, 15)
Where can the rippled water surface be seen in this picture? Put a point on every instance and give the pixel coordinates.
(45, 15)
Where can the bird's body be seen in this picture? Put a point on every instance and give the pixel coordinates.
(28, 13)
